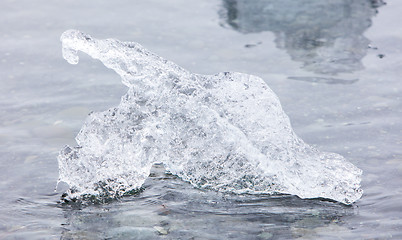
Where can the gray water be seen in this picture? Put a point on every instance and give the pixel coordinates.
(335, 66)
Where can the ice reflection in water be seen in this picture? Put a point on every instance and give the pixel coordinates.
(326, 36)
(170, 209)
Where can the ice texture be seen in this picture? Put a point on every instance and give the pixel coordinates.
(224, 132)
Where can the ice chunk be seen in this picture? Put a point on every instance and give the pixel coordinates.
(225, 132)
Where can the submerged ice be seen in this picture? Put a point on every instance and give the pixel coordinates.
(224, 132)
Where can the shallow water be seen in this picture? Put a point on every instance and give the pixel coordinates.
(348, 102)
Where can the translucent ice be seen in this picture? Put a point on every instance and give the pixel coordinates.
(225, 132)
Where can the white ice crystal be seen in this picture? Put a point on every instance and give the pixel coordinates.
(225, 132)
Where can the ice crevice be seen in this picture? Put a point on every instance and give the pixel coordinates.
(224, 132)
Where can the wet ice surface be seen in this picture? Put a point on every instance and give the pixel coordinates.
(224, 132)
(43, 102)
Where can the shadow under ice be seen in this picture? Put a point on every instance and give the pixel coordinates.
(172, 209)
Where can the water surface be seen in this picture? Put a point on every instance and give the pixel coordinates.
(335, 66)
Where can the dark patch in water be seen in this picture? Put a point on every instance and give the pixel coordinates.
(327, 80)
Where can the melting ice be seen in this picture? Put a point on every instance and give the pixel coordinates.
(224, 132)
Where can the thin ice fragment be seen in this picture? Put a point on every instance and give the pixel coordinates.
(224, 132)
